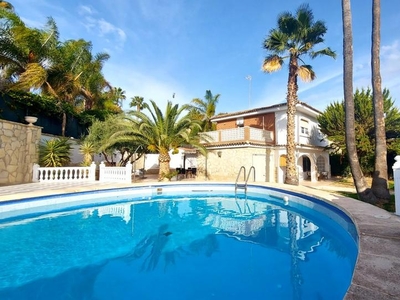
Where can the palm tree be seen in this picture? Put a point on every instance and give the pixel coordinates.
(119, 96)
(63, 75)
(161, 132)
(206, 109)
(95, 89)
(138, 102)
(25, 52)
(295, 37)
(380, 177)
(72, 67)
(363, 191)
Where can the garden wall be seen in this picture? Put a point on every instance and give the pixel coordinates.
(18, 151)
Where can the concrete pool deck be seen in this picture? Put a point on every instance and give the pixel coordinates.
(377, 273)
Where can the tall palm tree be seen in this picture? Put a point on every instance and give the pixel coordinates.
(95, 89)
(25, 52)
(380, 177)
(363, 191)
(63, 75)
(295, 36)
(206, 109)
(138, 102)
(161, 132)
(119, 96)
(71, 67)
(34, 59)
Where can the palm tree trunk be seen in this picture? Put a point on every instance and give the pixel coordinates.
(164, 160)
(380, 177)
(64, 123)
(291, 170)
(364, 193)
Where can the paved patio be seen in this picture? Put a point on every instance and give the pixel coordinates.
(377, 273)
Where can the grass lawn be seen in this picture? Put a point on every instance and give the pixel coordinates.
(390, 206)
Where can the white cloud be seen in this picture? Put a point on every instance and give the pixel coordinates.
(106, 28)
(85, 10)
(102, 27)
(390, 68)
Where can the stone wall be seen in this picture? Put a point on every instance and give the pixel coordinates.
(226, 166)
(18, 151)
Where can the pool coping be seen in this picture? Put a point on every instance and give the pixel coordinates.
(377, 271)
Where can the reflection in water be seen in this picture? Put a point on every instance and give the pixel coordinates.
(157, 243)
(294, 267)
(207, 245)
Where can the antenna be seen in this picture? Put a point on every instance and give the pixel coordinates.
(248, 77)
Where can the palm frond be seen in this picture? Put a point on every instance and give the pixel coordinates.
(323, 52)
(33, 77)
(306, 73)
(276, 42)
(272, 63)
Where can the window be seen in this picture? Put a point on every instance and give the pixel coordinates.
(304, 127)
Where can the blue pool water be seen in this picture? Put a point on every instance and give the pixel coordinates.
(190, 242)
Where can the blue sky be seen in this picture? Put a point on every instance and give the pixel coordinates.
(184, 47)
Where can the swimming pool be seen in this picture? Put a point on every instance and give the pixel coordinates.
(176, 242)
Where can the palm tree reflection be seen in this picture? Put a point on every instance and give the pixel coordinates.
(156, 244)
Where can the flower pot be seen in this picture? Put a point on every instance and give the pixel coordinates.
(30, 119)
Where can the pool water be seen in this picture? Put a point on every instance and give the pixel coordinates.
(179, 247)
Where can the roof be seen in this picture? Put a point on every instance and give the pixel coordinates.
(265, 109)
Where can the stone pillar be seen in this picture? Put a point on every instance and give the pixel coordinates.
(18, 151)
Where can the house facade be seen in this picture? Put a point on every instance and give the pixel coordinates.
(257, 138)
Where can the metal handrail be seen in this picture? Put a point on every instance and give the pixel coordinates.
(240, 171)
(244, 185)
(254, 174)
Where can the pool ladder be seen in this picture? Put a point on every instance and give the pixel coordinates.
(243, 185)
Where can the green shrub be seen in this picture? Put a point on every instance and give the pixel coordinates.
(55, 153)
(87, 149)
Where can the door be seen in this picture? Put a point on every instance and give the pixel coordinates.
(260, 166)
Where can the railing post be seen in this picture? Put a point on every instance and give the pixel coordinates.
(101, 171)
(35, 173)
(396, 176)
(246, 133)
(128, 172)
(92, 171)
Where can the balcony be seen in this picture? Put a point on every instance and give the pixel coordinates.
(240, 135)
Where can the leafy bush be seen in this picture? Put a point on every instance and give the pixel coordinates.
(168, 175)
(55, 153)
(87, 149)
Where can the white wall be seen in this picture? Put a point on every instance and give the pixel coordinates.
(313, 138)
(280, 127)
(151, 161)
(76, 157)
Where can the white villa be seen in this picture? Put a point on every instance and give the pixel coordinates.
(257, 137)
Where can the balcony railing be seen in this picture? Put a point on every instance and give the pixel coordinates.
(240, 135)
